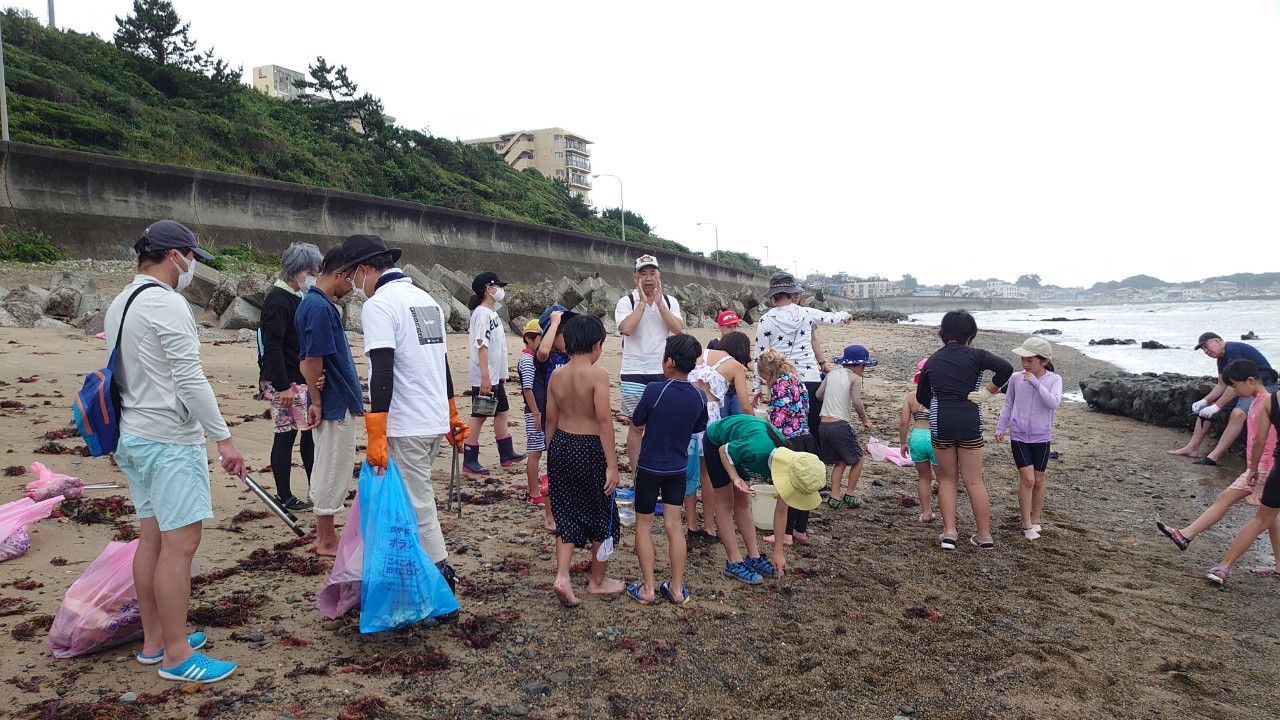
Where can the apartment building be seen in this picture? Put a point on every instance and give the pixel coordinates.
(554, 152)
(872, 287)
(277, 82)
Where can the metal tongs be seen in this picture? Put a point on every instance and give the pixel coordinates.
(289, 518)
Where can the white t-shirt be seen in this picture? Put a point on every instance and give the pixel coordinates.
(407, 320)
(642, 349)
(487, 331)
(166, 396)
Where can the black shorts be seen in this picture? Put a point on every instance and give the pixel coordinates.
(715, 464)
(839, 443)
(650, 485)
(1034, 454)
(1271, 491)
(498, 393)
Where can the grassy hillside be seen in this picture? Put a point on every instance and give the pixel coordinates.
(80, 92)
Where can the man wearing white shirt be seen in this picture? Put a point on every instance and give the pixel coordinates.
(645, 318)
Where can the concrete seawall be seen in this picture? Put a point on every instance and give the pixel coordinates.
(96, 205)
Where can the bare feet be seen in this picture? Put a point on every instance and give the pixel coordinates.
(325, 550)
(1186, 451)
(802, 538)
(609, 587)
(549, 523)
(786, 540)
(564, 591)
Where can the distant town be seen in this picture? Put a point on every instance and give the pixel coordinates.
(1028, 287)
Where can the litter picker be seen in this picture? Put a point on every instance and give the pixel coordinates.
(455, 483)
(289, 518)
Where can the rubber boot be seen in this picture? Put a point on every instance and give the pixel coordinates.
(452, 578)
(471, 460)
(507, 453)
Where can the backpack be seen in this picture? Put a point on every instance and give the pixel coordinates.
(632, 297)
(97, 404)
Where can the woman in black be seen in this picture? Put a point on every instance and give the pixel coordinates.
(951, 387)
(279, 377)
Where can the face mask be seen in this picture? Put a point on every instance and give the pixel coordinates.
(308, 282)
(185, 276)
(500, 294)
(357, 289)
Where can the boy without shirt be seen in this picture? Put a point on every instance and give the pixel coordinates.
(581, 458)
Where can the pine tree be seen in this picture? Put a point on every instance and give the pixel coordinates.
(155, 32)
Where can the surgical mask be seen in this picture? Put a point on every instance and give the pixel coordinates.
(185, 276)
(500, 294)
(308, 282)
(358, 289)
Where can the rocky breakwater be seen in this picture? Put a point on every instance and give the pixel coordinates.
(1163, 399)
(225, 302)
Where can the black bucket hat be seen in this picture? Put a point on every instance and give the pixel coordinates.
(781, 283)
(358, 248)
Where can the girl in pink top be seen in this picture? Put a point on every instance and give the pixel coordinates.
(1242, 375)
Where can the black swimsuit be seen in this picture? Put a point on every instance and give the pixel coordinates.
(949, 376)
(1271, 491)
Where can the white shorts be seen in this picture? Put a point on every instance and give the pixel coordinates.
(331, 474)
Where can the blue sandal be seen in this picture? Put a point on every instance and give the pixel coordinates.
(665, 591)
(197, 641)
(635, 590)
(741, 571)
(762, 566)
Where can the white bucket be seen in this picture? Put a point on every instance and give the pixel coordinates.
(762, 505)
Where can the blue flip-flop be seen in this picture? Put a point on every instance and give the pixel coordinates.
(197, 641)
(665, 590)
(634, 592)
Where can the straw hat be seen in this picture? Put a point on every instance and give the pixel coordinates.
(798, 477)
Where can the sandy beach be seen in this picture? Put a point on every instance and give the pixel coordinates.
(1100, 618)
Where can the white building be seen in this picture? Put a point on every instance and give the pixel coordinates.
(277, 82)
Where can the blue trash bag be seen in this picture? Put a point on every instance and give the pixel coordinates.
(693, 471)
(399, 585)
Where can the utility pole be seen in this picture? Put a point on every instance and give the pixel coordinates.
(51, 24)
(4, 98)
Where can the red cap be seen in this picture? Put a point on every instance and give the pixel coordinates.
(727, 318)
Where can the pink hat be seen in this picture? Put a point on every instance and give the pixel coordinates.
(727, 318)
(919, 369)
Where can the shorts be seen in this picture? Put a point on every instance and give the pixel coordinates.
(498, 394)
(1255, 487)
(839, 443)
(331, 474)
(921, 446)
(633, 388)
(804, 443)
(1271, 491)
(716, 470)
(287, 419)
(973, 444)
(1035, 455)
(167, 482)
(576, 468)
(535, 440)
(650, 486)
(1243, 403)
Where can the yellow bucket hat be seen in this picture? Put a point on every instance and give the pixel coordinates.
(798, 477)
(532, 327)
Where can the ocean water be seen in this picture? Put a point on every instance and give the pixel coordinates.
(1177, 325)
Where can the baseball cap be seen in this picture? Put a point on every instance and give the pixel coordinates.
(532, 327)
(169, 235)
(484, 280)
(646, 260)
(727, 318)
(1036, 346)
(1206, 337)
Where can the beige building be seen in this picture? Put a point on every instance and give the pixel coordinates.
(554, 152)
(277, 82)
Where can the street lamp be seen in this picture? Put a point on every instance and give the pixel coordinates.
(622, 205)
(717, 229)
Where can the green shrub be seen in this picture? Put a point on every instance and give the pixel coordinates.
(27, 245)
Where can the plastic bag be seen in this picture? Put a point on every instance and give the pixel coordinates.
(14, 518)
(879, 451)
(605, 551)
(49, 483)
(341, 591)
(399, 583)
(100, 609)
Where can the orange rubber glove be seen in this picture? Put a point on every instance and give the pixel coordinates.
(375, 424)
(458, 430)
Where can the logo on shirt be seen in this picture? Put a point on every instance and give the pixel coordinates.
(429, 322)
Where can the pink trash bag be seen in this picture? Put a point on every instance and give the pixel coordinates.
(100, 609)
(14, 518)
(341, 591)
(49, 483)
(880, 451)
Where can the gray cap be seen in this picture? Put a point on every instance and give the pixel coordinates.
(169, 234)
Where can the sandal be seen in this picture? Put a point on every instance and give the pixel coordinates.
(982, 544)
(1218, 575)
(535, 499)
(1173, 534)
(665, 591)
(948, 542)
(740, 571)
(852, 501)
(834, 504)
(762, 566)
(635, 590)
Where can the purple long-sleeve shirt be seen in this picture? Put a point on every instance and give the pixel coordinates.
(1028, 407)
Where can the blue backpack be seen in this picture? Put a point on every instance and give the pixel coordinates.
(97, 404)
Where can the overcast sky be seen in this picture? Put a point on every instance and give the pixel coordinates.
(1082, 141)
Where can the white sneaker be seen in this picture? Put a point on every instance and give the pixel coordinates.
(1036, 527)
(1031, 533)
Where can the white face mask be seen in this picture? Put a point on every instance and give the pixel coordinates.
(500, 294)
(357, 288)
(308, 282)
(185, 276)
